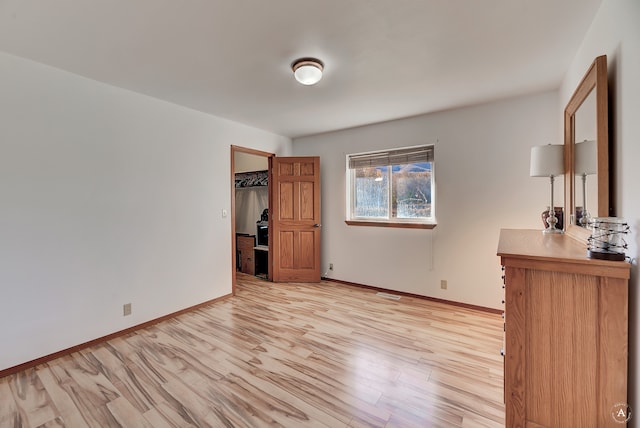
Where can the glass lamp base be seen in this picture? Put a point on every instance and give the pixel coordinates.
(551, 231)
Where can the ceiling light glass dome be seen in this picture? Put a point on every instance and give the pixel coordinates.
(307, 71)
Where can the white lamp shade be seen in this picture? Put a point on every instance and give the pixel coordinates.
(586, 158)
(308, 71)
(547, 160)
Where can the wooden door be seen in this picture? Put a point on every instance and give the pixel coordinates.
(295, 214)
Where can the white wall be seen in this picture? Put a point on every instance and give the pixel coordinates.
(106, 197)
(615, 32)
(482, 184)
(248, 162)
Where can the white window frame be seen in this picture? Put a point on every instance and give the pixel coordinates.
(389, 157)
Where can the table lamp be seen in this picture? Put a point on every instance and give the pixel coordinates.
(548, 161)
(586, 164)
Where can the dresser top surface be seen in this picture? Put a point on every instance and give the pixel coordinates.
(556, 248)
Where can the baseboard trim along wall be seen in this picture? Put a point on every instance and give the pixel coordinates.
(418, 296)
(50, 357)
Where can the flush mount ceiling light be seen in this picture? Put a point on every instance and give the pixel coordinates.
(307, 71)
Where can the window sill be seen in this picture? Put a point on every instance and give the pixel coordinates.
(391, 224)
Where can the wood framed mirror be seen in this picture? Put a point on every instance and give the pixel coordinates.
(586, 149)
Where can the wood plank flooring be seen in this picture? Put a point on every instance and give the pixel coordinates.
(292, 355)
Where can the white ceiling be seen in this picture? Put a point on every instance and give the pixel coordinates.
(384, 59)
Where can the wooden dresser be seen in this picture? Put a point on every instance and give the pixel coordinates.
(566, 341)
(246, 257)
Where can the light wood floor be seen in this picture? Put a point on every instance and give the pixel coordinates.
(293, 355)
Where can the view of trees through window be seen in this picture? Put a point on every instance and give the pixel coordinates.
(398, 191)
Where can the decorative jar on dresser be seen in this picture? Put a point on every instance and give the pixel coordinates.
(566, 340)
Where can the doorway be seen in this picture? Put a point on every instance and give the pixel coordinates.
(293, 188)
(249, 199)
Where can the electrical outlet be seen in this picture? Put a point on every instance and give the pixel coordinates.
(443, 284)
(126, 309)
(330, 266)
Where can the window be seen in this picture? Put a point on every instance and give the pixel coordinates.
(391, 188)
